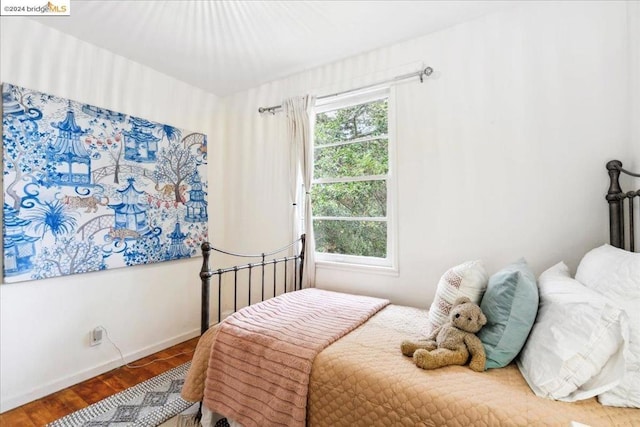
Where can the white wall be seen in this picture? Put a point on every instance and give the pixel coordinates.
(634, 73)
(501, 153)
(44, 325)
(634, 94)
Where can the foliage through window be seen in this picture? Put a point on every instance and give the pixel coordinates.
(351, 173)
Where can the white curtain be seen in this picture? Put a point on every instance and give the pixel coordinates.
(299, 115)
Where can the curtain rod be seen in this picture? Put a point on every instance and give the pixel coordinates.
(421, 74)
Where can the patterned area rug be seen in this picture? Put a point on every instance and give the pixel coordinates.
(147, 404)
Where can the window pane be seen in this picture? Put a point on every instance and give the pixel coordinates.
(358, 159)
(352, 122)
(363, 198)
(363, 238)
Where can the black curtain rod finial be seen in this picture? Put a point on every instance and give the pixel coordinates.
(271, 110)
(426, 72)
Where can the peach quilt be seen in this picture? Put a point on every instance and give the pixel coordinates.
(362, 379)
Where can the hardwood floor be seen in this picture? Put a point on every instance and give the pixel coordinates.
(61, 403)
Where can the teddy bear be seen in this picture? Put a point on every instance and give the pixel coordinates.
(453, 342)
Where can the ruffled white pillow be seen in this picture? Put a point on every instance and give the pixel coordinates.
(615, 274)
(575, 349)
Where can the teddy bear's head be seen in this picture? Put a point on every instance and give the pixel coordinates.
(467, 316)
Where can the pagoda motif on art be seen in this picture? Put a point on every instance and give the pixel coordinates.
(177, 248)
(72, 160)
(196, 205)
(10, 105)
(140, 144)
(19, 247)
(131, 212)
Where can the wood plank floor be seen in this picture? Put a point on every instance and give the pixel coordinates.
(61, 403)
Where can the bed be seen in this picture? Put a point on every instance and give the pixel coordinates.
(359, 377)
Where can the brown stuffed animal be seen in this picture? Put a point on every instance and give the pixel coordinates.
(451, 343)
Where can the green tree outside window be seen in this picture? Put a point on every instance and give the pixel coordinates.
(350, 180)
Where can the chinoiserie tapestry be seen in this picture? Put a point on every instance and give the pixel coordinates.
(88, 189)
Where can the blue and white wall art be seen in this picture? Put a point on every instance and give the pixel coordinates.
(88, 189)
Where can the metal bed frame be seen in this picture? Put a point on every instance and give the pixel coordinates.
(266, 259)
(616, 198)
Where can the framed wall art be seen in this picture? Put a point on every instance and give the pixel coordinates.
(89, 189)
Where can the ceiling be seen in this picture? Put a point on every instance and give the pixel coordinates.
(225, 47)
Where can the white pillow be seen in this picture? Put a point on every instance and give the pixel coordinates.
(465, 280)
(615, 273)
(574, 350)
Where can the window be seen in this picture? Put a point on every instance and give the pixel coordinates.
(351, 190)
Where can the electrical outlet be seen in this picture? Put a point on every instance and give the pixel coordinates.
(96, 336)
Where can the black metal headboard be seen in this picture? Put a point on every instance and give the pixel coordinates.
(266, 259)
(617, 217)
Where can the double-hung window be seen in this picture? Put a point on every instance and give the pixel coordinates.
(352, 192)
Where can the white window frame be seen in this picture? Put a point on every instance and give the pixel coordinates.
(354, 262)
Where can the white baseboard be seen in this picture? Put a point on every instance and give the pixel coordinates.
(62, 383)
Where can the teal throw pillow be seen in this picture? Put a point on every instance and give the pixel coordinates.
(510, 304)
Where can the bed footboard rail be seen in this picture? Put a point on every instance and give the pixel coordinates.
(291, 273)
(619, 217)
